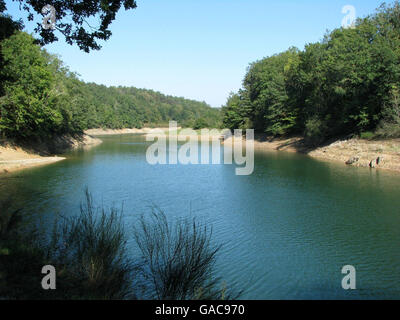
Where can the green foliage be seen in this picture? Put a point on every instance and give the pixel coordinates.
(235, 113)
(124, 107)
(200, 123)
(19, 260)
(340, 86)
(28, 107)
(270, 109)
(390, 124)
(8, 26)
(40, 98)
(368, 135)
(264, 103)
(314, 131)
(90, 254)
(178, 259)
(72, 20)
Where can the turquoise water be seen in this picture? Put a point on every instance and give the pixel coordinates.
(287, 230)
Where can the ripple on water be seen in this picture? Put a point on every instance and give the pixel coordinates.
(287, 230)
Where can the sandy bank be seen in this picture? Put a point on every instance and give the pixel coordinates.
(381, 154)
(14, 157)
(172, 132)
(64, 143)
(192, 135)
(103, 132)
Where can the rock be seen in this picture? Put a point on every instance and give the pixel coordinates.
(372, 164)
(352, 160)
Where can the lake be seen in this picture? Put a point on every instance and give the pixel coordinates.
(287, 230)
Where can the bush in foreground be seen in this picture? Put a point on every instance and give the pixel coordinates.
(89, 252)
(178, 259)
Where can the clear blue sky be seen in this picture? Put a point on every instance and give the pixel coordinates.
(200, 49)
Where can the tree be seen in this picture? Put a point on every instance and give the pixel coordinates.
(235, 113)
(7, 28)
(390, 125)
(346, 84)
(72, 20)
(263, 102)
(28, 107)
(41, 98)
(200, 123)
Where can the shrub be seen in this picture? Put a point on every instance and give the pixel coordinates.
(20, 258)
(200, 124)
(178, 259)
(314, 131)
(90, 256)
(89, 252)
(390, 125)
(368, 135)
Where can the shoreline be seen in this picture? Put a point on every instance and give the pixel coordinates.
(379, 154)
(148, 132)
(106, 132)
(15, 157)
(376, 154)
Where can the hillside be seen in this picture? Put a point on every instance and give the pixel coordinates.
(345, 85)
(40, 98)
(128, 107)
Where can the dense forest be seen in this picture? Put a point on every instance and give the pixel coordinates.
(41, 98)
(347, 84)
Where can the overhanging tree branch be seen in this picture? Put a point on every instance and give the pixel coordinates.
(79, 11)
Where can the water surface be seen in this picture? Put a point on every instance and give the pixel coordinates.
(287, 229)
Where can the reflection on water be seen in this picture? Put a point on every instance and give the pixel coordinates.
(287, 229)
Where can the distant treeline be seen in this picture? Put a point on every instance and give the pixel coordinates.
(349, 83)
(40, 98)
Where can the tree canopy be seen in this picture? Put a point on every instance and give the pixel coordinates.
(346, 84)
(73, 20)
(40, 98)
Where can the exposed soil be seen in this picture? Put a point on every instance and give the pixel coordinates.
(15, 157)
(101, 132)
(378, 154)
